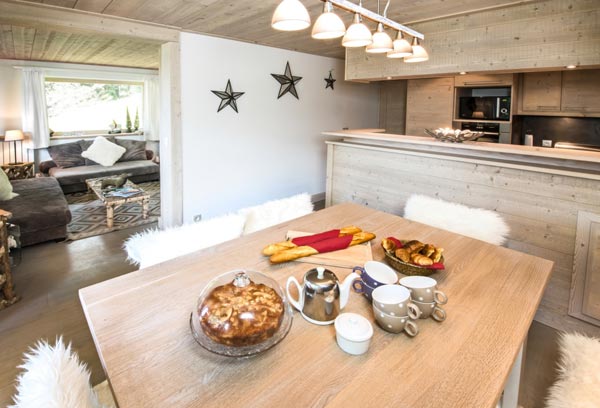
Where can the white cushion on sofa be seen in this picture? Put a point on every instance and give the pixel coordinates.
(104, 152)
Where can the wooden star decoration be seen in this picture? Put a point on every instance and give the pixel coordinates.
(228, 98)
(329, 81)
(287, 82)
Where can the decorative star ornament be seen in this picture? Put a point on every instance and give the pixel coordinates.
(287, 81)
(329, 81)
(228, 98)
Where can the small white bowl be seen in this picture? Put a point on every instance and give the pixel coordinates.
(353, 333)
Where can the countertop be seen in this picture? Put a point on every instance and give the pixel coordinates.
(585, 161)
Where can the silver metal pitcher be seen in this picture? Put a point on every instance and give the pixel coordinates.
(321, 297)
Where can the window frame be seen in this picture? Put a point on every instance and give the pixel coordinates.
(91, 80)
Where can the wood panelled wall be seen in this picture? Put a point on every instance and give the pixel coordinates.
(539, 35)
(540, 208)
(392, 107)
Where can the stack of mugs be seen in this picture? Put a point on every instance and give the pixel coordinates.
(424, 294)
(395, 306)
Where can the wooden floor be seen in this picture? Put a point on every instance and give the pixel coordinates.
(50, 275)
(48, 279)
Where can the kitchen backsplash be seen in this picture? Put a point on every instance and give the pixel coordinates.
(557, 129)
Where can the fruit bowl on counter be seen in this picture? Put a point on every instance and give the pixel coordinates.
(454, 135)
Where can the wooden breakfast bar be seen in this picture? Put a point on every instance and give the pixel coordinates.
(549, 197)
(140, 326)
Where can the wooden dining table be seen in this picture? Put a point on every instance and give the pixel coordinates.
(140, 326)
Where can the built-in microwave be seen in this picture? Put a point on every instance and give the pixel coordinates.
(484, 107)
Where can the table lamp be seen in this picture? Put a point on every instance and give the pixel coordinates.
(13, 136)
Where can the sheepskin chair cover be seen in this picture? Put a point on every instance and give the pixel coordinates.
(53, 377)
(578, 383)
(154, 246)
(476, 223)
(275, 212)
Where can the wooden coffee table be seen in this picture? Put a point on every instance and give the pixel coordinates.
(113, 202)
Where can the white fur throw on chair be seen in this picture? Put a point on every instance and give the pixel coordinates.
(53, 377)
(578, 384)
(476, 223)
(155, 246)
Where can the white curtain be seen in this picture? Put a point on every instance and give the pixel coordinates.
(151, 108)
(35, 115)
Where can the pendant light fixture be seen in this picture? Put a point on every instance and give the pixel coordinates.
(402, 48)
(290, 15)
(419, 54)
(358, 34)
(328, 25)
(381, 42)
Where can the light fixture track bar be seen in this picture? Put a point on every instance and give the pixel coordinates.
(354, 8)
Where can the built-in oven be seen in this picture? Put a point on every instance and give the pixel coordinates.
(484, 107)
(491, 131)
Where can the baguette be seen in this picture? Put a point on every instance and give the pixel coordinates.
(285, 245)
(302, 251)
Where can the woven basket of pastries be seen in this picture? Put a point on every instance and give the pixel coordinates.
(241, 313)
(413, 257)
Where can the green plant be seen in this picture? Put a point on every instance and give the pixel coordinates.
(136, 122)
(128, 122)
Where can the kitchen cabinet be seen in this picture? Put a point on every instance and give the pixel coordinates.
(584, 301)
(560, 93)
(541, 91)
(429, 104)
(581, 91)
(483, 80)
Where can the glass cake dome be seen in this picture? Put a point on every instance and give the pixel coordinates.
(241, 313)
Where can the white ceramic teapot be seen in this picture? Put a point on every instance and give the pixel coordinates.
(321, 295)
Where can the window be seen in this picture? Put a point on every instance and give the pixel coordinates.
(78, 106)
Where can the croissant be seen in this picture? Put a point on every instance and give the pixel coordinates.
(420, 260)
(437, 255)
(388, 244)
(428, 250)
(402, 254)
(414, 246)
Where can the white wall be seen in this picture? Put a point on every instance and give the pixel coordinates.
(10, 98)
(272, 148)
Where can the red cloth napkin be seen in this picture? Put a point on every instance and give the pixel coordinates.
(396, 241)
(309, 239)
(437, 265)
(332, 244)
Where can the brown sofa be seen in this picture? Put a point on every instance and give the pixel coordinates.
(71, 175)
(40, 210)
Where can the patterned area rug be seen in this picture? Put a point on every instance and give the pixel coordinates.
(89, 214)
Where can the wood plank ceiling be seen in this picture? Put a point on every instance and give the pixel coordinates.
(42, 44)
(241, 20)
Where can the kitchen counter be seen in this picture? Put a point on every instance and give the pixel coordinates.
(547, 196)
(541, 157)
